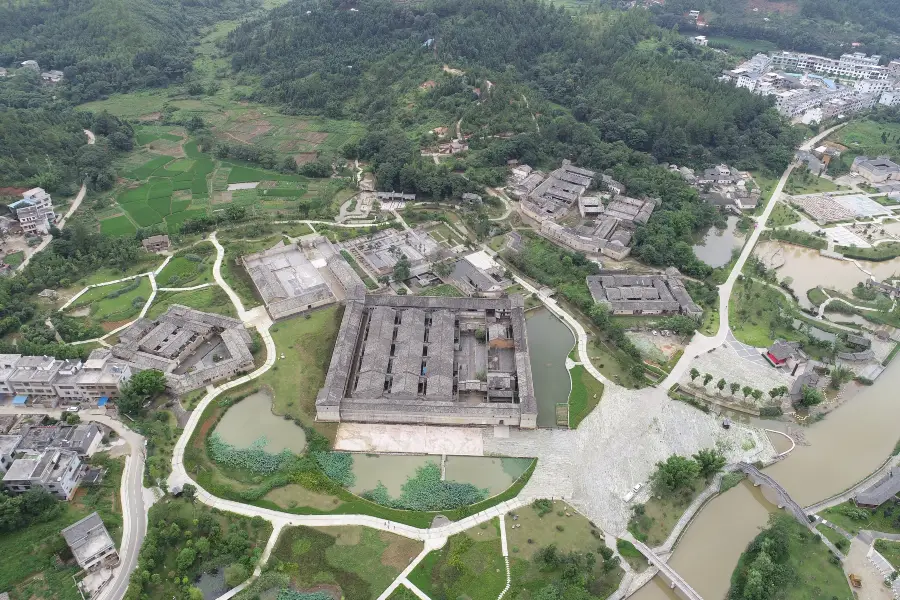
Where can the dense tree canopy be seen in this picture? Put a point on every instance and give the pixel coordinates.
(106, 46)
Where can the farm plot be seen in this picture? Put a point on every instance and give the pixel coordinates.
(119, 225)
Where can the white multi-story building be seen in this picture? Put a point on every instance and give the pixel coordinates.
(57, 471)
(44, 378)
(856, 65)
(34, 212)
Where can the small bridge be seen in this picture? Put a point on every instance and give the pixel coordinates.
(758, 478)
(785, 501)
(670, 575)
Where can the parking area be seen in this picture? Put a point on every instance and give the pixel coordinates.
(842, 236)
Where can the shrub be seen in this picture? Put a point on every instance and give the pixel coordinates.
(337, 465)
(254, 459)
(542, 506)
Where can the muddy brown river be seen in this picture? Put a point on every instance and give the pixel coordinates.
(852, 442)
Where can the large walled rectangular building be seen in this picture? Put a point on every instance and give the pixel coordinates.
(428, 360)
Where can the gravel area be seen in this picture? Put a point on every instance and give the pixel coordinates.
(729, 363)
(619, 445)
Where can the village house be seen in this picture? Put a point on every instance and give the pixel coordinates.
(34, 212)
(156, 243)
(877, 170)
(91, 544)
(784, 354)
(479, 273)
(57, 471)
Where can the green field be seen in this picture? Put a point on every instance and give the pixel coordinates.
(212, 299)
(782, 216)
(853, 518)
(569, 532)
(469, 566)
(114, 303)
(742, 46)
(14, 259)
(360, 562)
(865, 137)
(120, 225)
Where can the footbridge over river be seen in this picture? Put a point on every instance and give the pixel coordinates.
(784, 500)
(670, 575)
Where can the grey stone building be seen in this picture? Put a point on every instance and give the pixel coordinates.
(626, 294)
(448, 361)
(192, 348)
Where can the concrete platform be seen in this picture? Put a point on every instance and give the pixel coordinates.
(409, 439)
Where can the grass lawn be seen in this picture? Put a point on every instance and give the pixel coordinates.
(766, 184)
(569, 532)
(831, 535)
(356, 562)
(799, 184)
(14, 259)
(497, 243)
(782, 216)
(853, 518)
(890, 550)
(816, 296)
(744, 46)
(632, 555)
(444, 289)
(470, 566)
(307, 344)
(864, 137)
(662, 513)
(185, 271)
(295, 229)
(235, 274)
(107, 274)
(105, 308)
(212, 299)
(585, 396)
(402, 593)
(885, 251)
(752, 310)
(29, 568)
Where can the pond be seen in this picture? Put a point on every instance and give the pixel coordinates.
(719, 244)
(212, 584)
(393, 470)
(252, 418)
(495, 474)
(549, 343)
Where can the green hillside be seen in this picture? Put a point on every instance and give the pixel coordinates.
(106, 46)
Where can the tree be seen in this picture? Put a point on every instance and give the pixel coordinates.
(734, 388)
(757, 394)
(185, 559)
(707, 378)
(694, 374)
(401, 269)
(236, 574)
(140, 388)
(747, 390)
(195, 593)
(189, 491)
(721, 384)
(810, 396)
(710, 461)
(677, 472)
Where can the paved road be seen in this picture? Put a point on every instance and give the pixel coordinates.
(134, 511)
(702, 343)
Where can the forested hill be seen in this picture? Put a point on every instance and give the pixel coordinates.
(622, 76)
(828, 27)
(106, 46)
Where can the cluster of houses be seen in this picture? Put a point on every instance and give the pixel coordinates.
(48, 457)
(815, 88)
(627, 294)
(52, 76)
(46, 381)
(722, 185)
(606, 217)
